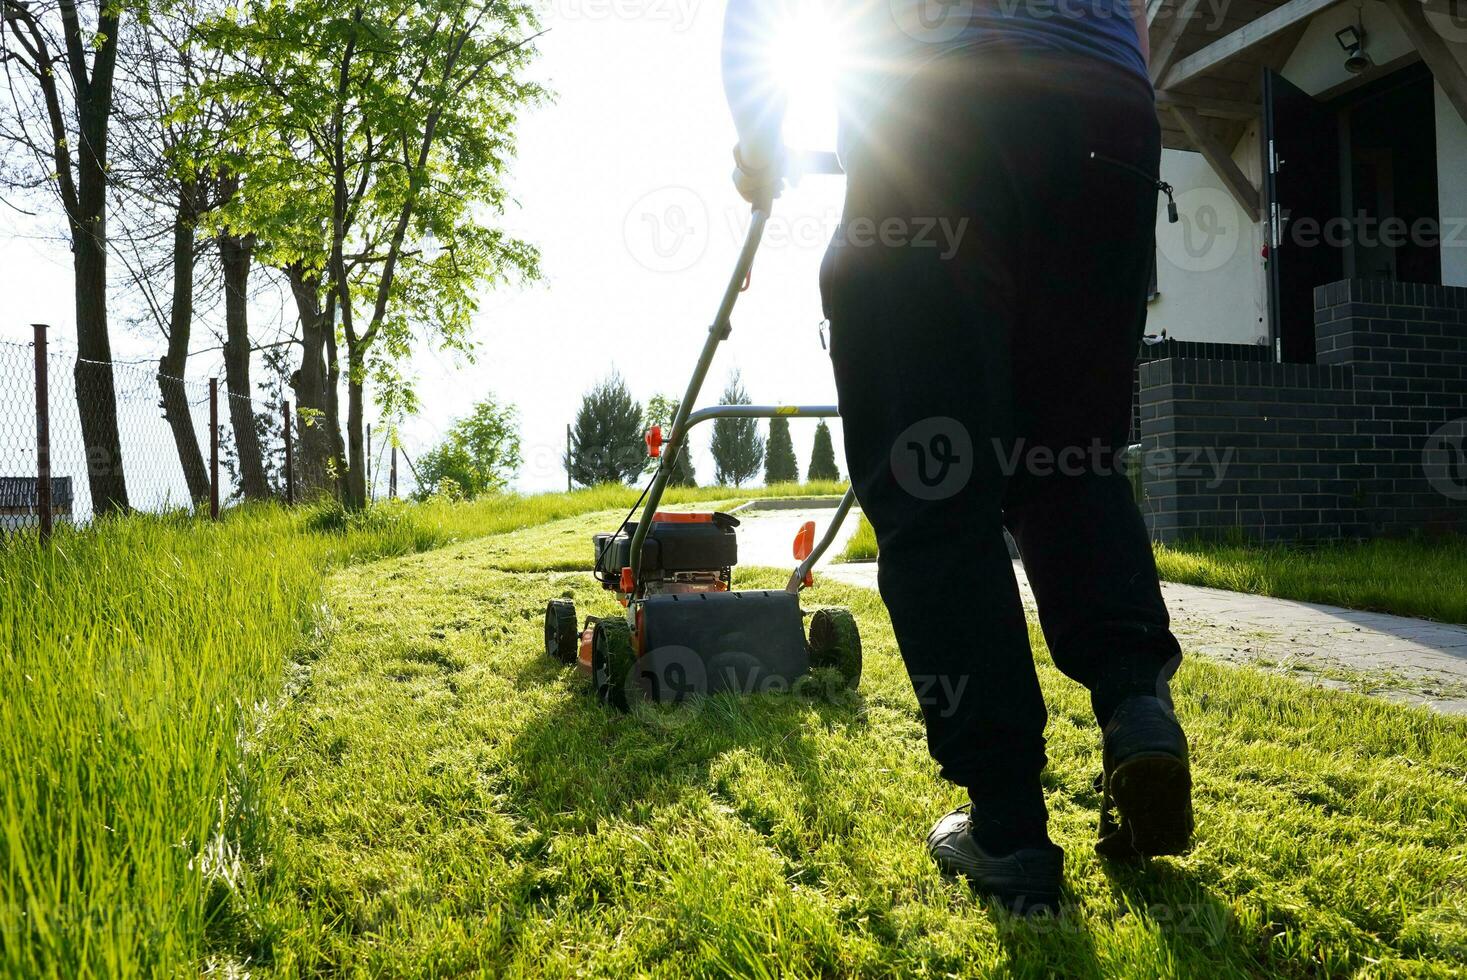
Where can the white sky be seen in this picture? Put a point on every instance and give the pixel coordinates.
(623, 183)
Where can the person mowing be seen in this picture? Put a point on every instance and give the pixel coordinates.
(985, 383)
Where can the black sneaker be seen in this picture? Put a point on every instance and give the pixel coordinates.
(1025, 881)
(1146, 785)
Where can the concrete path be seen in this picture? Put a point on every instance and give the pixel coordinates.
(1409, 660)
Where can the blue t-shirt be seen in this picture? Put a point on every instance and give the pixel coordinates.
(887, 41)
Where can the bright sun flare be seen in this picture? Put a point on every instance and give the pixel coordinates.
(805, 56)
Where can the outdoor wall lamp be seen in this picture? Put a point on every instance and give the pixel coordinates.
(1352, 40)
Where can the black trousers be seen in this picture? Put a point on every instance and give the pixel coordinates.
(986, 293)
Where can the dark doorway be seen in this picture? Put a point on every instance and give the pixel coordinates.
(1301, 165)
(1351, 192)
(1388, 135)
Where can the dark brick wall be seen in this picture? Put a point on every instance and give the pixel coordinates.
(1314, 451)
(1189, 349)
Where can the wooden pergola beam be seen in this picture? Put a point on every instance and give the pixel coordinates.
(1206, 105)
(1164, 51)
(1445, 68)
(1245, 38)
(1220, 160)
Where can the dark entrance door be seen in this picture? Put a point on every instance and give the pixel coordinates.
(1301, 165)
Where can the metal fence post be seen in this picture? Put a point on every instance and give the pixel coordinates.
(392, 475)
(289, 452)
(214, 448)
(43, 435)
(568, 486)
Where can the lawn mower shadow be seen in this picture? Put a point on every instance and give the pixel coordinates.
(583, 760)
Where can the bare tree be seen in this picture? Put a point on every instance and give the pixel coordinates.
(59, 64)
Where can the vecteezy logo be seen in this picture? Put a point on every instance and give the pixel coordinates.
(667, 686)
(666, 230)
(1444, 458)
(933, 459)
(1207, 234)
(931, 21)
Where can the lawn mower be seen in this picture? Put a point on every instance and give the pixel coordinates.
(686, 631)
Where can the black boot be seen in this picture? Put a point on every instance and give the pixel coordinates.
(1146, 785)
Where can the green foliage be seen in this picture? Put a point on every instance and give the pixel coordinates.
(660, 411)
(480, 454)
(780, 464)
(372, 142)
(737, 446)
(822, 456)
(607, 439)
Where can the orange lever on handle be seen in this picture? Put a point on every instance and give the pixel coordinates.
(653, 438)
(804, 541)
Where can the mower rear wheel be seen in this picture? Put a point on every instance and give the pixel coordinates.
(562, 638)
(612, 661)
(835, 641)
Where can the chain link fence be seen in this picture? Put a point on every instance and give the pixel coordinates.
(173, 445)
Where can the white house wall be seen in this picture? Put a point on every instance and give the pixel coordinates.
(1209, 274)
(1213, 283)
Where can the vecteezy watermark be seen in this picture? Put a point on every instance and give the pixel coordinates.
(678, 13)
(1444, 459)
(933, 459)
(1202, 923)
(669, 686)
(667, 229)
(1208, 231)
(1368, 231)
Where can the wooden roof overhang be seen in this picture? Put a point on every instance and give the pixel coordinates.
(1208, 60)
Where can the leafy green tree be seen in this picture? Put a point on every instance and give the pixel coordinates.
(780, 464)
(60, 61)
(479, 455)
(606, 440)
(822, 456)
(660, 411)
(373, 143)
(738, 448)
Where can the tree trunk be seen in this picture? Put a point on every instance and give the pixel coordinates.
(234, 255)
(96, 394)
(314, 405)
(172, 366)
(355, 490)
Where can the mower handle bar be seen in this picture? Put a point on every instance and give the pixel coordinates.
(812, 162)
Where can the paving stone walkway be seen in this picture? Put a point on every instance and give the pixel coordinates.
(1408, 660)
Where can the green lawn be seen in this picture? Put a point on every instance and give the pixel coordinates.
(292, 744)
(1424, 577)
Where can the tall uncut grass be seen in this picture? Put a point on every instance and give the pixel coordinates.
(138, 657)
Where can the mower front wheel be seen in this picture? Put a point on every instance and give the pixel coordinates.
(612, 661)
(562, 638)
(835, 642)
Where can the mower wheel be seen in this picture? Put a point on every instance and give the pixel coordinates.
(836, 642)
(612, 661)
(562, 638)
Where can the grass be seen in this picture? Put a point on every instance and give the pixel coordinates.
(1424, 577)
(438, 798)
(862, 545)
(140, 659)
